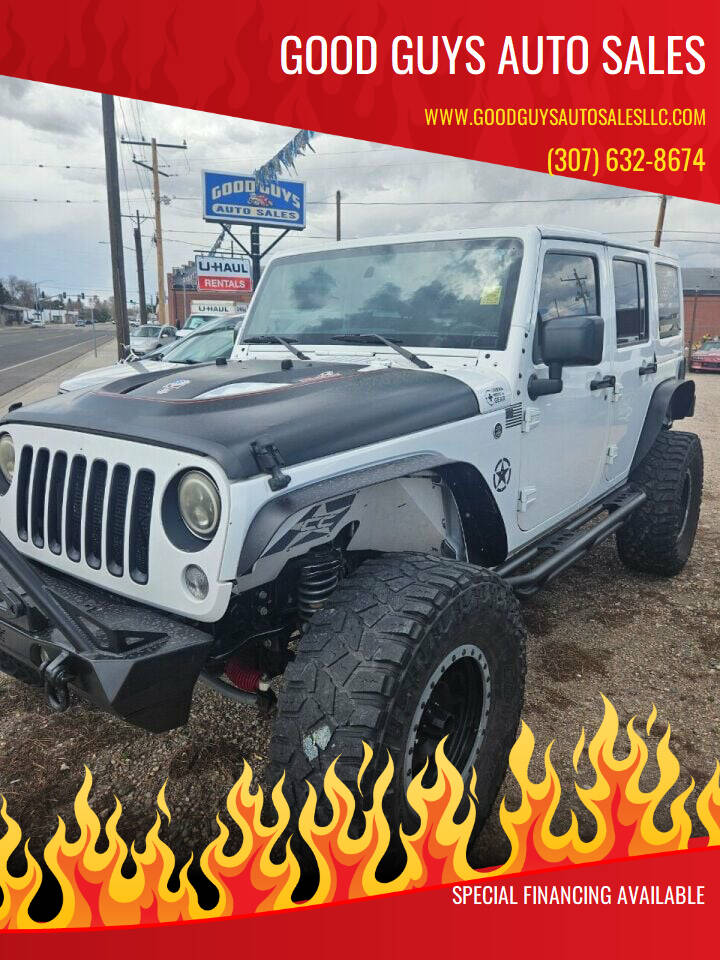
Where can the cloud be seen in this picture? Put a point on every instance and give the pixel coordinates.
(46, 109)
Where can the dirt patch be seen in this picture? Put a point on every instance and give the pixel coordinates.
(563, 660)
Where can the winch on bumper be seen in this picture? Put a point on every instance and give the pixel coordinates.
(126, 658)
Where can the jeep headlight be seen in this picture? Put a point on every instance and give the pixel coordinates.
(199, 503)
(7, 456)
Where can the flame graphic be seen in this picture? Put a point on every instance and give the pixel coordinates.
(95, 891)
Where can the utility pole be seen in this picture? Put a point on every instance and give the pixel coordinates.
(157, 173)
(158, 236)
(140, 270)
(338, 236)
(660, 220)
(122, 328)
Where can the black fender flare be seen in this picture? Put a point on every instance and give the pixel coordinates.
(672, 400)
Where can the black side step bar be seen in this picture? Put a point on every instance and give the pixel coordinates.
(560, 549)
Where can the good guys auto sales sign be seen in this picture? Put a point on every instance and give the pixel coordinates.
(223, 273)
(238, 198)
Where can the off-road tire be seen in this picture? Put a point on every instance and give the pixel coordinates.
(360, 669)
(659, 536)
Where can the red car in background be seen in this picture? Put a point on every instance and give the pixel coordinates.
(707, 357)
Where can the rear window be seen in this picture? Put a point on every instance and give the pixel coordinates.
(668, 289)
(631, 316)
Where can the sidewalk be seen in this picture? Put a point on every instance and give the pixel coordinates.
(47, 385)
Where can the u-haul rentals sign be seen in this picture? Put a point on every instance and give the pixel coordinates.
(224, 273)
(237, 198)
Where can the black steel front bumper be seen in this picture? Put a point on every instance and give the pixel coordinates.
(126, 658)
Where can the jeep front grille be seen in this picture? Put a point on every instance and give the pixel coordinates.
(80, 508)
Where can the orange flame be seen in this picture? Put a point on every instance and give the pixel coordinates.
(96, 892)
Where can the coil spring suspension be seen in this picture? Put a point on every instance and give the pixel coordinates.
(319, 575)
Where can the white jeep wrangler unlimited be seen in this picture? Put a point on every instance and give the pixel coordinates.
(411, 432)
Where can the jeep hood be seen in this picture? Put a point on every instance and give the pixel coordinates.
(307, 409)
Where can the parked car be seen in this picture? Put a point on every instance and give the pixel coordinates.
(148, 336)
(37, 322)
(707, 357)
(213, 342)
(81, 322)
(445, 425)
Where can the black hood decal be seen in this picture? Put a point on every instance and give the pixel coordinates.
(307, 409)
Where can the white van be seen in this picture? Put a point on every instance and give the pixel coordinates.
(203, 310)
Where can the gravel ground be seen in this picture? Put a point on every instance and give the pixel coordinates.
(597, 629)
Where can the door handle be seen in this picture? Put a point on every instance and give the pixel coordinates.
(602, 383)
(648, 368)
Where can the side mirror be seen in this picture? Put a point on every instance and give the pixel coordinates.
(572, 341)
(567, 341)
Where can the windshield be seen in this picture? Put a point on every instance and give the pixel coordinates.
(196, 320)
(214, 345)
(146, 332)
(446, 293)
(710, 346)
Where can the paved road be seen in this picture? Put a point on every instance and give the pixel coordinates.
(30, 352)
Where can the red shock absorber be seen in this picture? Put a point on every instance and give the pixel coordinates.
(242, 676)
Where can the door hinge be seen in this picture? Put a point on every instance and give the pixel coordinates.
(531, 418)
(267, 456)
(526, 496)
(617, 391)
(612, 453)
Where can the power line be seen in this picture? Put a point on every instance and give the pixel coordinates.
(39, 200)
(122, 158)
(462, 203)
(615, 232)
(466, 203)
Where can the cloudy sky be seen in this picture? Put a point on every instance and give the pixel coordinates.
(51, 152)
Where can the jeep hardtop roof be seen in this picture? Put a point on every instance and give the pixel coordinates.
(526, 232)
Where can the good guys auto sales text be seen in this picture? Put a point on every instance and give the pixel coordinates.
(440, 54)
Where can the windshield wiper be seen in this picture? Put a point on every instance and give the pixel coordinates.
(283, 341)
(378, 338)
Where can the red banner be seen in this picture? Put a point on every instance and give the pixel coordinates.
(224, 283)
(622, 93)
(658, 906)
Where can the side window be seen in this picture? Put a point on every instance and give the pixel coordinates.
(668, 289)
(569, 286)
(631, 313)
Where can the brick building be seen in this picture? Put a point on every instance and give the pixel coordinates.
(701, 293)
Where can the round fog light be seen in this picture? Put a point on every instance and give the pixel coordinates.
(196, 582)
